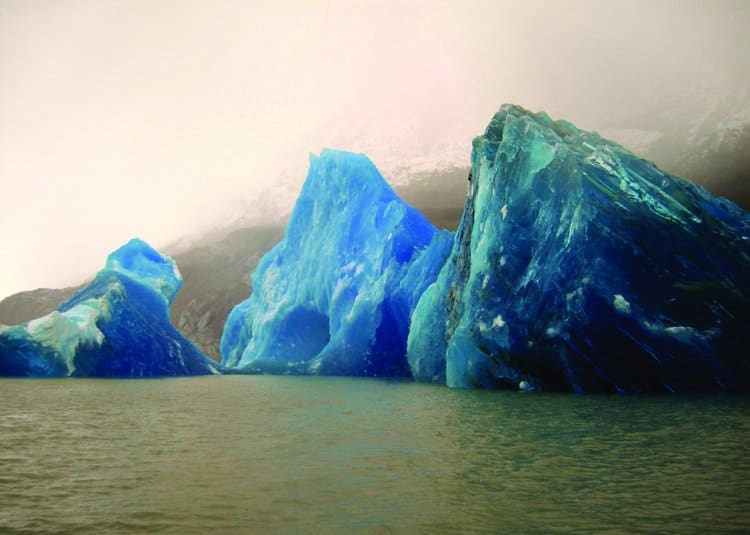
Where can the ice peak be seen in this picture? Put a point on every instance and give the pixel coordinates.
(142, 263)
(341, 171)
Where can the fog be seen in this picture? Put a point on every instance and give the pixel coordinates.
(159, 119)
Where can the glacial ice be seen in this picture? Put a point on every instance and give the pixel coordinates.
(118, 326)
(334, 297)
(578, 266)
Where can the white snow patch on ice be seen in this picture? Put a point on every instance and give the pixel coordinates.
(498, 321)
(621, 304)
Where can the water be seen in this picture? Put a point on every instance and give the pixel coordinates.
(293, 454)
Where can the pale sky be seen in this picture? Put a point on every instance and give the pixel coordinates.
(150, 118)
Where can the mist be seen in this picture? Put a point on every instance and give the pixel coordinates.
(160, 119)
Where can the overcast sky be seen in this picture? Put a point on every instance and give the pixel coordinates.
(130, 118)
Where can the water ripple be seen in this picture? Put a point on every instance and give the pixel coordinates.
(239, 454)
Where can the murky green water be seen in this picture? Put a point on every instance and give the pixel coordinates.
(298, 455)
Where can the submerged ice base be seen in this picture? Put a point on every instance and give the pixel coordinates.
(335, 296)
(118, 326)
(579, 266)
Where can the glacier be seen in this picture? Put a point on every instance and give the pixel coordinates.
(335, 296)
(117, 326)
(578, 266)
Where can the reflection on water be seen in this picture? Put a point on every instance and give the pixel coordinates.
(299, 454)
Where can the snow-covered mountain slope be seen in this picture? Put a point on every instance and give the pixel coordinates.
(704, 136)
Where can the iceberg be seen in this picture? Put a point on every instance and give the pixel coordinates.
(335, 296)
(117, 326)
(578, 266)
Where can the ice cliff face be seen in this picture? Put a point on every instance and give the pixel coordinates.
(335, 296)
(118, 326)
(578, 266)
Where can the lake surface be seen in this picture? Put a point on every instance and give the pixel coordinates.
(300, 455)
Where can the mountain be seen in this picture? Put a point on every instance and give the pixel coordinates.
(25, 306)
(704, 136)
(217, 275)
(439, 195)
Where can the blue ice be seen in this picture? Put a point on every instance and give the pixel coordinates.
(335, 296)
(117, 326)
(578, 266)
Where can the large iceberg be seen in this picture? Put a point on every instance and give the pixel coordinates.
(118, 326)
(578, 266)
(335, 296)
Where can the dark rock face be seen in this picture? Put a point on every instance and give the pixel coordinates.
(216, 273)
(578, 266)
(25, 306)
